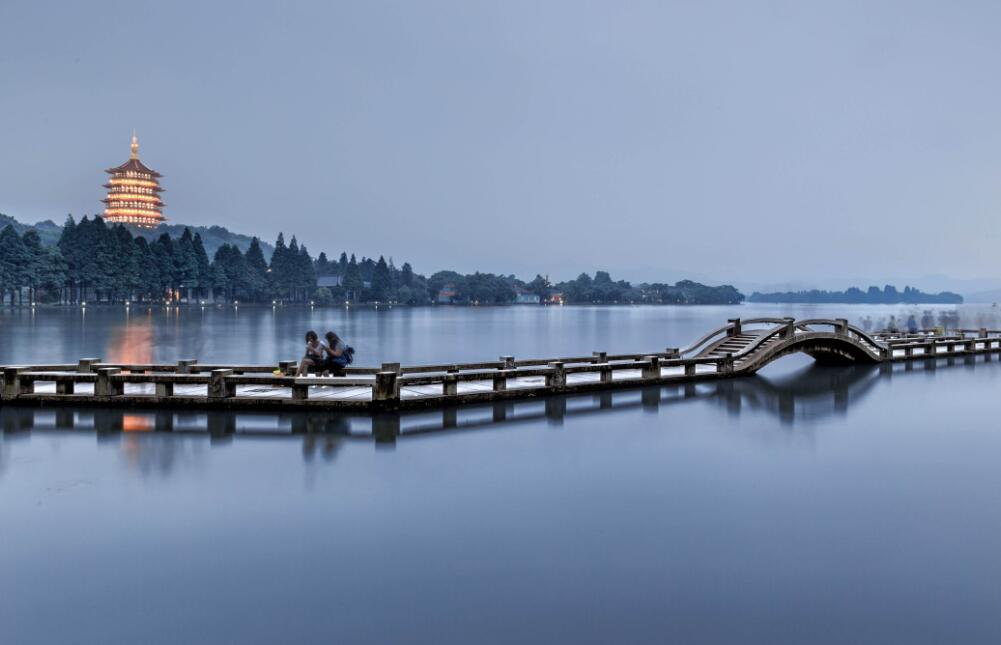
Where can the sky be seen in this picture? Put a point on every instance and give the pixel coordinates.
(740, 142)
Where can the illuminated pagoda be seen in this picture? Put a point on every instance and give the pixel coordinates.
(134, 193)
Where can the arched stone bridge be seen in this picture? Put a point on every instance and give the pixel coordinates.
(752, 344)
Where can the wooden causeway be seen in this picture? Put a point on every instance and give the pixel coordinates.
(741, 347)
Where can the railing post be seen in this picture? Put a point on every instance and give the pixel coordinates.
(391, 367)
(450, 384)
(288, 368)
(164, 388)
(690, 369)
(64, 387)
(557, 379)
(85, 365)
(651, 368)
(219, 388)
(605, 374)
(599, 357)
(735, 329)
(508, 362)
(790, 329)
(186, 365)
(386, 386)
(672, 352)
(105, 386)
(725, 365)
(841, 329)
(12, 384)
(983, 332)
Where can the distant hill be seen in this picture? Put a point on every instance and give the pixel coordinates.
(212, 236)
(48, 230)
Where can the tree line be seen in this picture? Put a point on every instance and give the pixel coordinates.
(95, 262)
(888, 295)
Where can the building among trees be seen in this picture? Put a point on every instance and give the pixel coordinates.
(134, 193)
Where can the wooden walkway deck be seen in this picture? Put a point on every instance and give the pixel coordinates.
(738, 348)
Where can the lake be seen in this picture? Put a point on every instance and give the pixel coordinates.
(807, 504)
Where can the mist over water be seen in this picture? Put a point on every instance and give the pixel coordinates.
(806, 504)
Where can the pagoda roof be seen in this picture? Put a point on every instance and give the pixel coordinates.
(155, 189)
(133, 165)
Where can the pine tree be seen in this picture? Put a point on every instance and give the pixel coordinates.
(407, 275)
(204, 266)
(381, 281)
(353, 282)
(257, 271)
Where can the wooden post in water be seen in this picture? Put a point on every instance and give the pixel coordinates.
(651, 367)
(557, 379)
(500, 379)
(219, 387)
(104, 385)
(386, 386)
(450, 384)
(12, 384)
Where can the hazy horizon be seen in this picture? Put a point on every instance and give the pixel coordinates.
(773, 144)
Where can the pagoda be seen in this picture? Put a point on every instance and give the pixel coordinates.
(134, 193)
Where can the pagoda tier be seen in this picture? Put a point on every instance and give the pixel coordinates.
(134, 193)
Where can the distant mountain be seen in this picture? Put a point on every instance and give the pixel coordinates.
(212, 236)
(48, 230)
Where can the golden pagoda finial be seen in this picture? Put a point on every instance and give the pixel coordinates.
(135, 146)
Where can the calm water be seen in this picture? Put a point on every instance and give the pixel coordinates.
(804, 505)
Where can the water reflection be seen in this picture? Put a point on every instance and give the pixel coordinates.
(159, 441)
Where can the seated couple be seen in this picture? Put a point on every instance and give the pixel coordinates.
(323, 358)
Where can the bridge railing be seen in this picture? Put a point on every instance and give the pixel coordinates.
(734, 327)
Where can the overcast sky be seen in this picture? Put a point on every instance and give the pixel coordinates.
(765, 140)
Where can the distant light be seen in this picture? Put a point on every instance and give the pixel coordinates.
(274, 302)
(311, 303)
(32, 304)
(83, 303)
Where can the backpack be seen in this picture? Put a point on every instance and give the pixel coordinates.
(349, 355)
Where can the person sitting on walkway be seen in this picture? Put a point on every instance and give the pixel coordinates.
(315, 355)
(338, 354)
